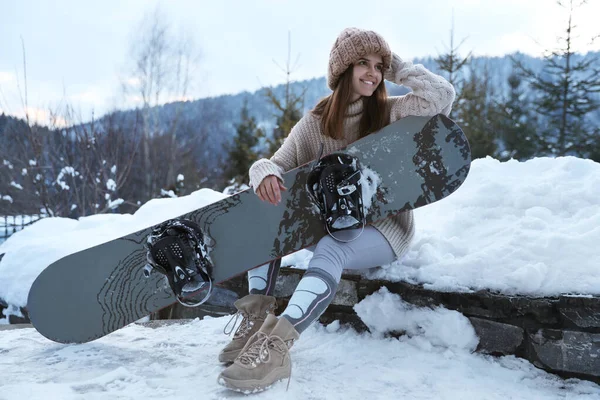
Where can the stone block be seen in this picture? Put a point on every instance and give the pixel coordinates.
(566, 351)
(580, 312)
(413, 294)
(518, 310)
(286, 284)
(496, 337)
(163, 322)
(14, 314)
(345, 317)
(219, 303)
(346, 294)
(16, 319)
(181, 312)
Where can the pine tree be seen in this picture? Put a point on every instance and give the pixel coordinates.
(567, 88)
(289, 108)
(290, 112)
(451, 62)
(474, 111)
(242, 152)
(516, 125)
(594, 148)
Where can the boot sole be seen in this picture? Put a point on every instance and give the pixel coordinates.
(253, 385)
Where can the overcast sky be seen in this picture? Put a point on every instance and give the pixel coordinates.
(77, 52)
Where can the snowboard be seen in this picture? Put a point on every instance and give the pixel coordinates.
(96, 291)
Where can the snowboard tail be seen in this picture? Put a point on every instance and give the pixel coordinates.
(88, 294)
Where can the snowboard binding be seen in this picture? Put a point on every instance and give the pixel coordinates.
(334, 185)
(176, 249)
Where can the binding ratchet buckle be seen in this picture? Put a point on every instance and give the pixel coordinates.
(334, 186)
(177, 249)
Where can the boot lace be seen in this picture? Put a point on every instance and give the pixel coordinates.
(243, 328)
(259, 351)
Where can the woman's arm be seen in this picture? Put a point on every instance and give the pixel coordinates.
(284, 159)
(431, 94)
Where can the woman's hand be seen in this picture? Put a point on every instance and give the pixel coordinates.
(396, 65)
(270, 190)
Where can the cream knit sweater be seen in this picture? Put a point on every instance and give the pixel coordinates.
(431, 94)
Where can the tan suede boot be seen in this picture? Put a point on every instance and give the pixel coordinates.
(264, 360)
(253, 308)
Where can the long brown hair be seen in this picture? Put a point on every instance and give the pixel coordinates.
(332, 109)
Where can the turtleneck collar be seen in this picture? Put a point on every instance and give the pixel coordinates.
(355, 108)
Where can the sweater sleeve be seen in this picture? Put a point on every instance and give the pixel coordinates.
(431, 94)
(284, 159)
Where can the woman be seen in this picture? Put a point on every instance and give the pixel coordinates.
(359, 62)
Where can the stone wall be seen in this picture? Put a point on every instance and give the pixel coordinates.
(558, 334)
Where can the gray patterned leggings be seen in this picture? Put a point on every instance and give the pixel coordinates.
(317, 287)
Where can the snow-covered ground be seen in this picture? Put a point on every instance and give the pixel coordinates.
(529, 228)
(330, 363)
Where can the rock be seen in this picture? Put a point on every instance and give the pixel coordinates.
(286, 283)
(581, 312)
(566, 351)
(345, 317)
(496, 337)
(346, 294)
(218, 304)
(17, 319)
(14, 314)
(163, 322)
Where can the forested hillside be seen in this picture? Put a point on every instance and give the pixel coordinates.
(119, 161)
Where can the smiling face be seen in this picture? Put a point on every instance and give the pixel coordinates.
(367, 74)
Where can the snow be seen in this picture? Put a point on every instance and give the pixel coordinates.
(527, 228)
(180, 362)
(112, 204)
(386, 312)
(514, 227)
(111, 185)
(345, 221)
(167, 193)
(16, 185)
(369, 182)
(64, 172)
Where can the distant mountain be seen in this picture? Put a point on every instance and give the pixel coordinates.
(214, 118)
(11, 127)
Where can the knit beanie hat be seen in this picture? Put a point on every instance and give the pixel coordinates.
(350, 46)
